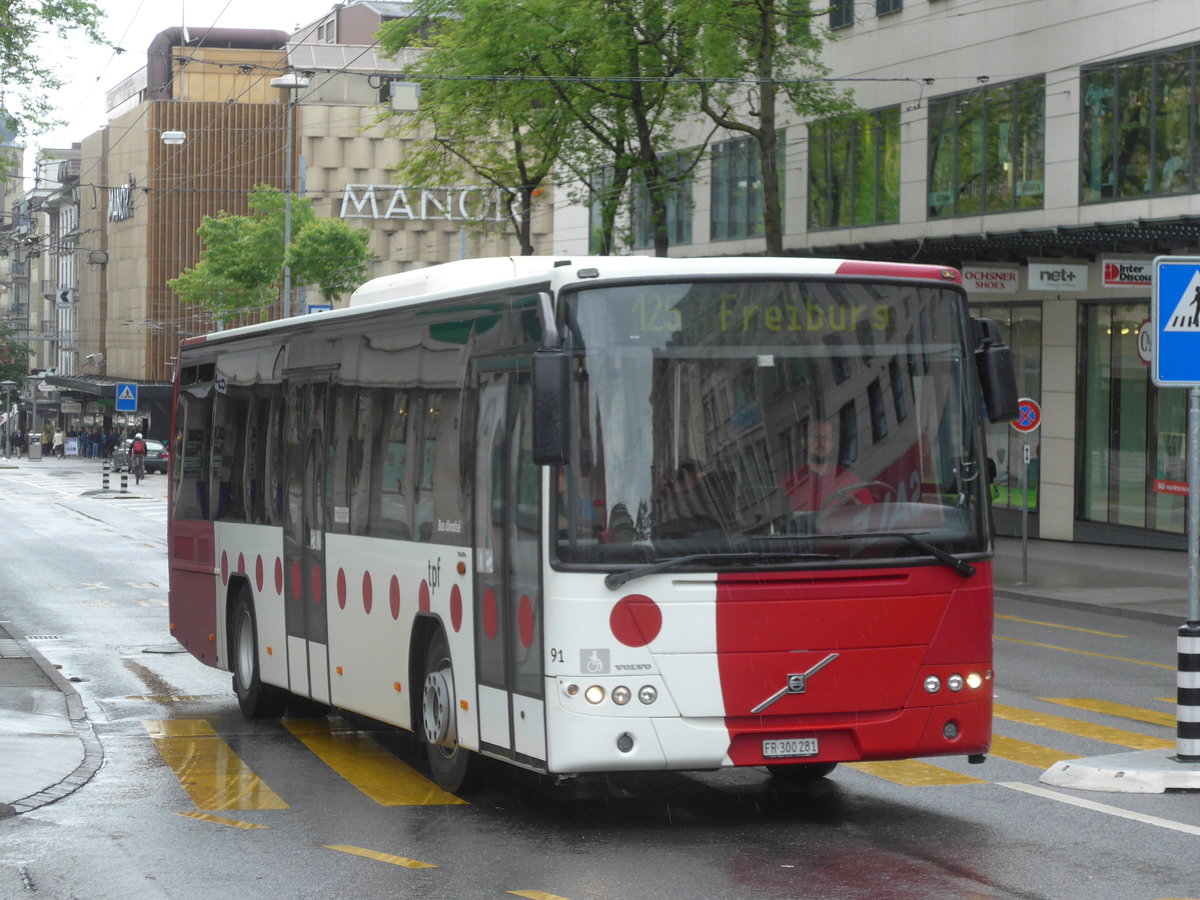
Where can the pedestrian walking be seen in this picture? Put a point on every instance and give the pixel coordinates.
(59, 443)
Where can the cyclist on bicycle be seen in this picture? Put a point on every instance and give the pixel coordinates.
(137, 453)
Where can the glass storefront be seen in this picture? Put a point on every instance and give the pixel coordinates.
(1021, 327)
(1131, 435)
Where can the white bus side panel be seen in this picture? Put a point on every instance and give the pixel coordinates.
(493, 717)
(530, 726)
(370, 635)
(255, 546)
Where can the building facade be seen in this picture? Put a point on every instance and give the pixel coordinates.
(191, 135)
(1050, 151)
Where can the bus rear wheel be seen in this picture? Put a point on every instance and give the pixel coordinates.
(450, 765)
(801, 773)
(257, 700)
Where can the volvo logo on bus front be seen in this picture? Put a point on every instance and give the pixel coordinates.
(797, 683)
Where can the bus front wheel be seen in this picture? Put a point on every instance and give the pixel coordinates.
(257, 700)
(449, 764)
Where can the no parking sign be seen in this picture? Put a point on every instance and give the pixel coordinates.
(1029, 416)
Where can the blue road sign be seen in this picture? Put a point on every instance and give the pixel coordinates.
(127, 400)
(1175, 314)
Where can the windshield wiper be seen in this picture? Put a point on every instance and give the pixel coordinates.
(962, 567)
(615, 579)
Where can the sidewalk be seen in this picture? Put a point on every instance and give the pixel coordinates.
(48, 750)
(47, 747)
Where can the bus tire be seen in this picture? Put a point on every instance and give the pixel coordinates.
(257, 700)
(450, 765)
(801, 773)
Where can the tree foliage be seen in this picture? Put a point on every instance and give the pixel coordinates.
(747, 58)
(29, 76)
(242, 263)
(14, 356)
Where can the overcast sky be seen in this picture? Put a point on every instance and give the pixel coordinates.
(132, 25)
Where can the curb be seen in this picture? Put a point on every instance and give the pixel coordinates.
(93, 751)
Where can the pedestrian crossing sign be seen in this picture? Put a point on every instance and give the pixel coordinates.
(1175, 314)
(127, 397)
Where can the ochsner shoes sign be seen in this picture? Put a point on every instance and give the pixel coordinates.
(1128, 272)
(979, 279)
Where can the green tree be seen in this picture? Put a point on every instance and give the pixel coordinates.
(14, 356)
(29, 74)
(241, 264)
(746, 58)
(485, 114)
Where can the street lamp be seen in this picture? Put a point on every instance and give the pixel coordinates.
(8, 386)
(291, 82)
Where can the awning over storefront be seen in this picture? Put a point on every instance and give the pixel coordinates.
(1162, 237)
(105, 388)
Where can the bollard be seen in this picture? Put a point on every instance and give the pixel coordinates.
(124, 483)
(104, 475)
(1187, 691)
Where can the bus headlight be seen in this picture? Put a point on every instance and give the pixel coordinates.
(621, 695)
(933, 684)
(955, 683)
(974, 680)
(647, 694)
(594, 694)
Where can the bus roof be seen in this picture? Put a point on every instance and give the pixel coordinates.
(446, 279)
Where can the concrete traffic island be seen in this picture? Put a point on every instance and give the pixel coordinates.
(1137, 772)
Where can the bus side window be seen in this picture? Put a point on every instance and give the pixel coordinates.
(390, 512)
(438, 495)
(193, 426)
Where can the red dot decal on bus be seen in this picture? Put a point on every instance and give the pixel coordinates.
(278, 575)
(491, 617)
(341, 588)
(367, 593)
(317, 591)
(525, 620)
(297, 584)
(394, 597)
(636, 620)
(423, 596)
(258, 572)
(456, 608)
(224, 567)
(241, 564)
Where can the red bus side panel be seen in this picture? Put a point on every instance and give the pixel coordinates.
(193, 589)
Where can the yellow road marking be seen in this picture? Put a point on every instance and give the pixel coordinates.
(1080, 728)
(1120, 710)
(1065, 627)
(220, 820)
(1027, 754)
(914, 773)
(381, 857)
(212, 774)
(535, 895)
(1140, 662)
(366, 765)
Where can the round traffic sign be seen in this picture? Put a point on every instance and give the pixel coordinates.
(1145, 339)
(1029, 416)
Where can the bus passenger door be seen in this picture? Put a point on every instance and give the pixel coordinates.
(508, 589)
(305, 440)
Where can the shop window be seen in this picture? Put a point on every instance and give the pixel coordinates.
(1131, 464)
(1021, 327)
(987, 150)
(1138, 122)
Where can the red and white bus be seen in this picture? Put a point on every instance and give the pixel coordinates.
(604, 513)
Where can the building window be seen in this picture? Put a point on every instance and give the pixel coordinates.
(679, 205)
(841, 13)
(879, 426)
(987, 150)
(854, 170)
(1138, 121)
(847, 435)
(602, 192)
(887, 7)
(736, 191)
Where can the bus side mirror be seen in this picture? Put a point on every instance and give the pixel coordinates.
(997, 374)
(551, 390)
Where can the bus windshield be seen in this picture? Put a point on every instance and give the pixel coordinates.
(726, 424)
